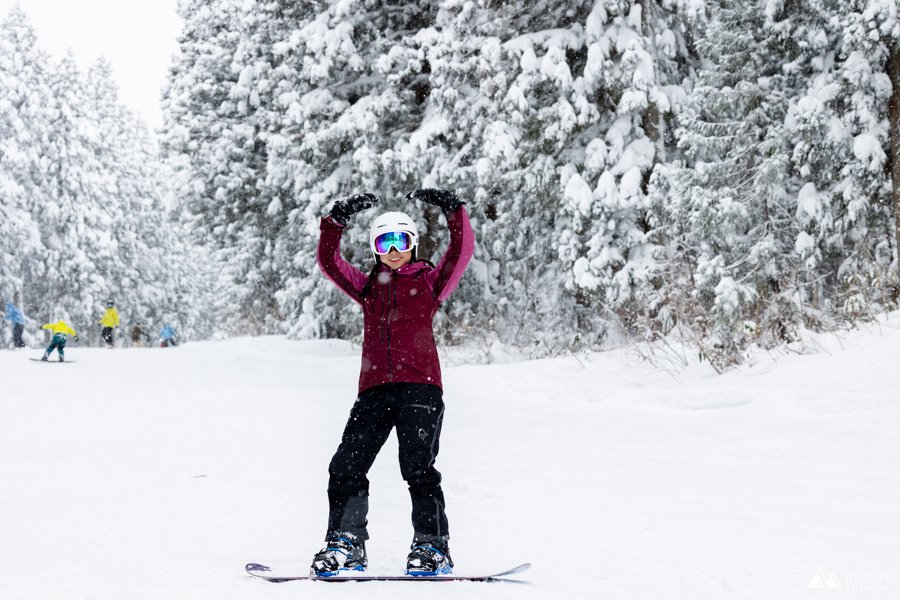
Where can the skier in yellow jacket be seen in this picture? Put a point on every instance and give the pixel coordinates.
(61, 332)
(109, 321)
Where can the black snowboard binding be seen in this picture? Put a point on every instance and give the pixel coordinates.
(341, 553)
(428, 560)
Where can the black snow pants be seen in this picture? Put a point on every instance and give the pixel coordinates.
(107, 334)
(416, 410)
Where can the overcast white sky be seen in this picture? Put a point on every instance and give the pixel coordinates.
(138, 37)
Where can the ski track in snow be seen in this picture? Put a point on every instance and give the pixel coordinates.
(148, 473)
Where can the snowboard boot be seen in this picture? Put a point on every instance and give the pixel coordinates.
(44, 357)
(427, 559)
(343, 552)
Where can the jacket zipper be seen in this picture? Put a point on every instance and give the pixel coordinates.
(388, 325)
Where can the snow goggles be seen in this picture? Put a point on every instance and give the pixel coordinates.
(402, 241)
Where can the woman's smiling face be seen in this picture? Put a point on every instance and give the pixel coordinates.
(395, 259)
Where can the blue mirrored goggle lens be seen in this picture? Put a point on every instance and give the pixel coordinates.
(400, 240)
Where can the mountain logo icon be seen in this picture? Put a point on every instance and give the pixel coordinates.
(824, 581)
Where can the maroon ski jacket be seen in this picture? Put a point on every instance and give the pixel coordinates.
(398, 306)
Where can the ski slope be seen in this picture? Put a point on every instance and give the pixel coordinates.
(156, 474)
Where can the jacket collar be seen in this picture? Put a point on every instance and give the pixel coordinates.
(407, 269)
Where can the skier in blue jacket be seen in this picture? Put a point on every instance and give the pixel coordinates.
(15, 316)
(167, 337)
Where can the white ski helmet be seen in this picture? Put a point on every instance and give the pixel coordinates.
(393, 221)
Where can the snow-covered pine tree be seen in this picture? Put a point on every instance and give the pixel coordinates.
(783, 181)
(210, 143)
(338, 118)
(527, 109)
(125, 206)
(255, 221)
(282, 86)
(638, 62)
(24, 98)
(141, 277)
(499, 117)
(731, 212)
(257, 99)
(865, 106)
(69, 276)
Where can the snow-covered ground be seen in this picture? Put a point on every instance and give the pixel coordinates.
(152, 474)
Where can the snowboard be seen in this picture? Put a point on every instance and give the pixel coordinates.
(279, 576)
(51, 360)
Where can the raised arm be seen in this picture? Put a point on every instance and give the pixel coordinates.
(348, 278)
(449, 271)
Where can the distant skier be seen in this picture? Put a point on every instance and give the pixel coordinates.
(139, 335)
(109, 322)
(168, 337)
(61, 332)
(400, 378)
(15, 316)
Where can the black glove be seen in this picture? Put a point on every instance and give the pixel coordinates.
(347, 207)
(443, 199)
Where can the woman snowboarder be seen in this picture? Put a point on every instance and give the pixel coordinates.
(400, 378)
